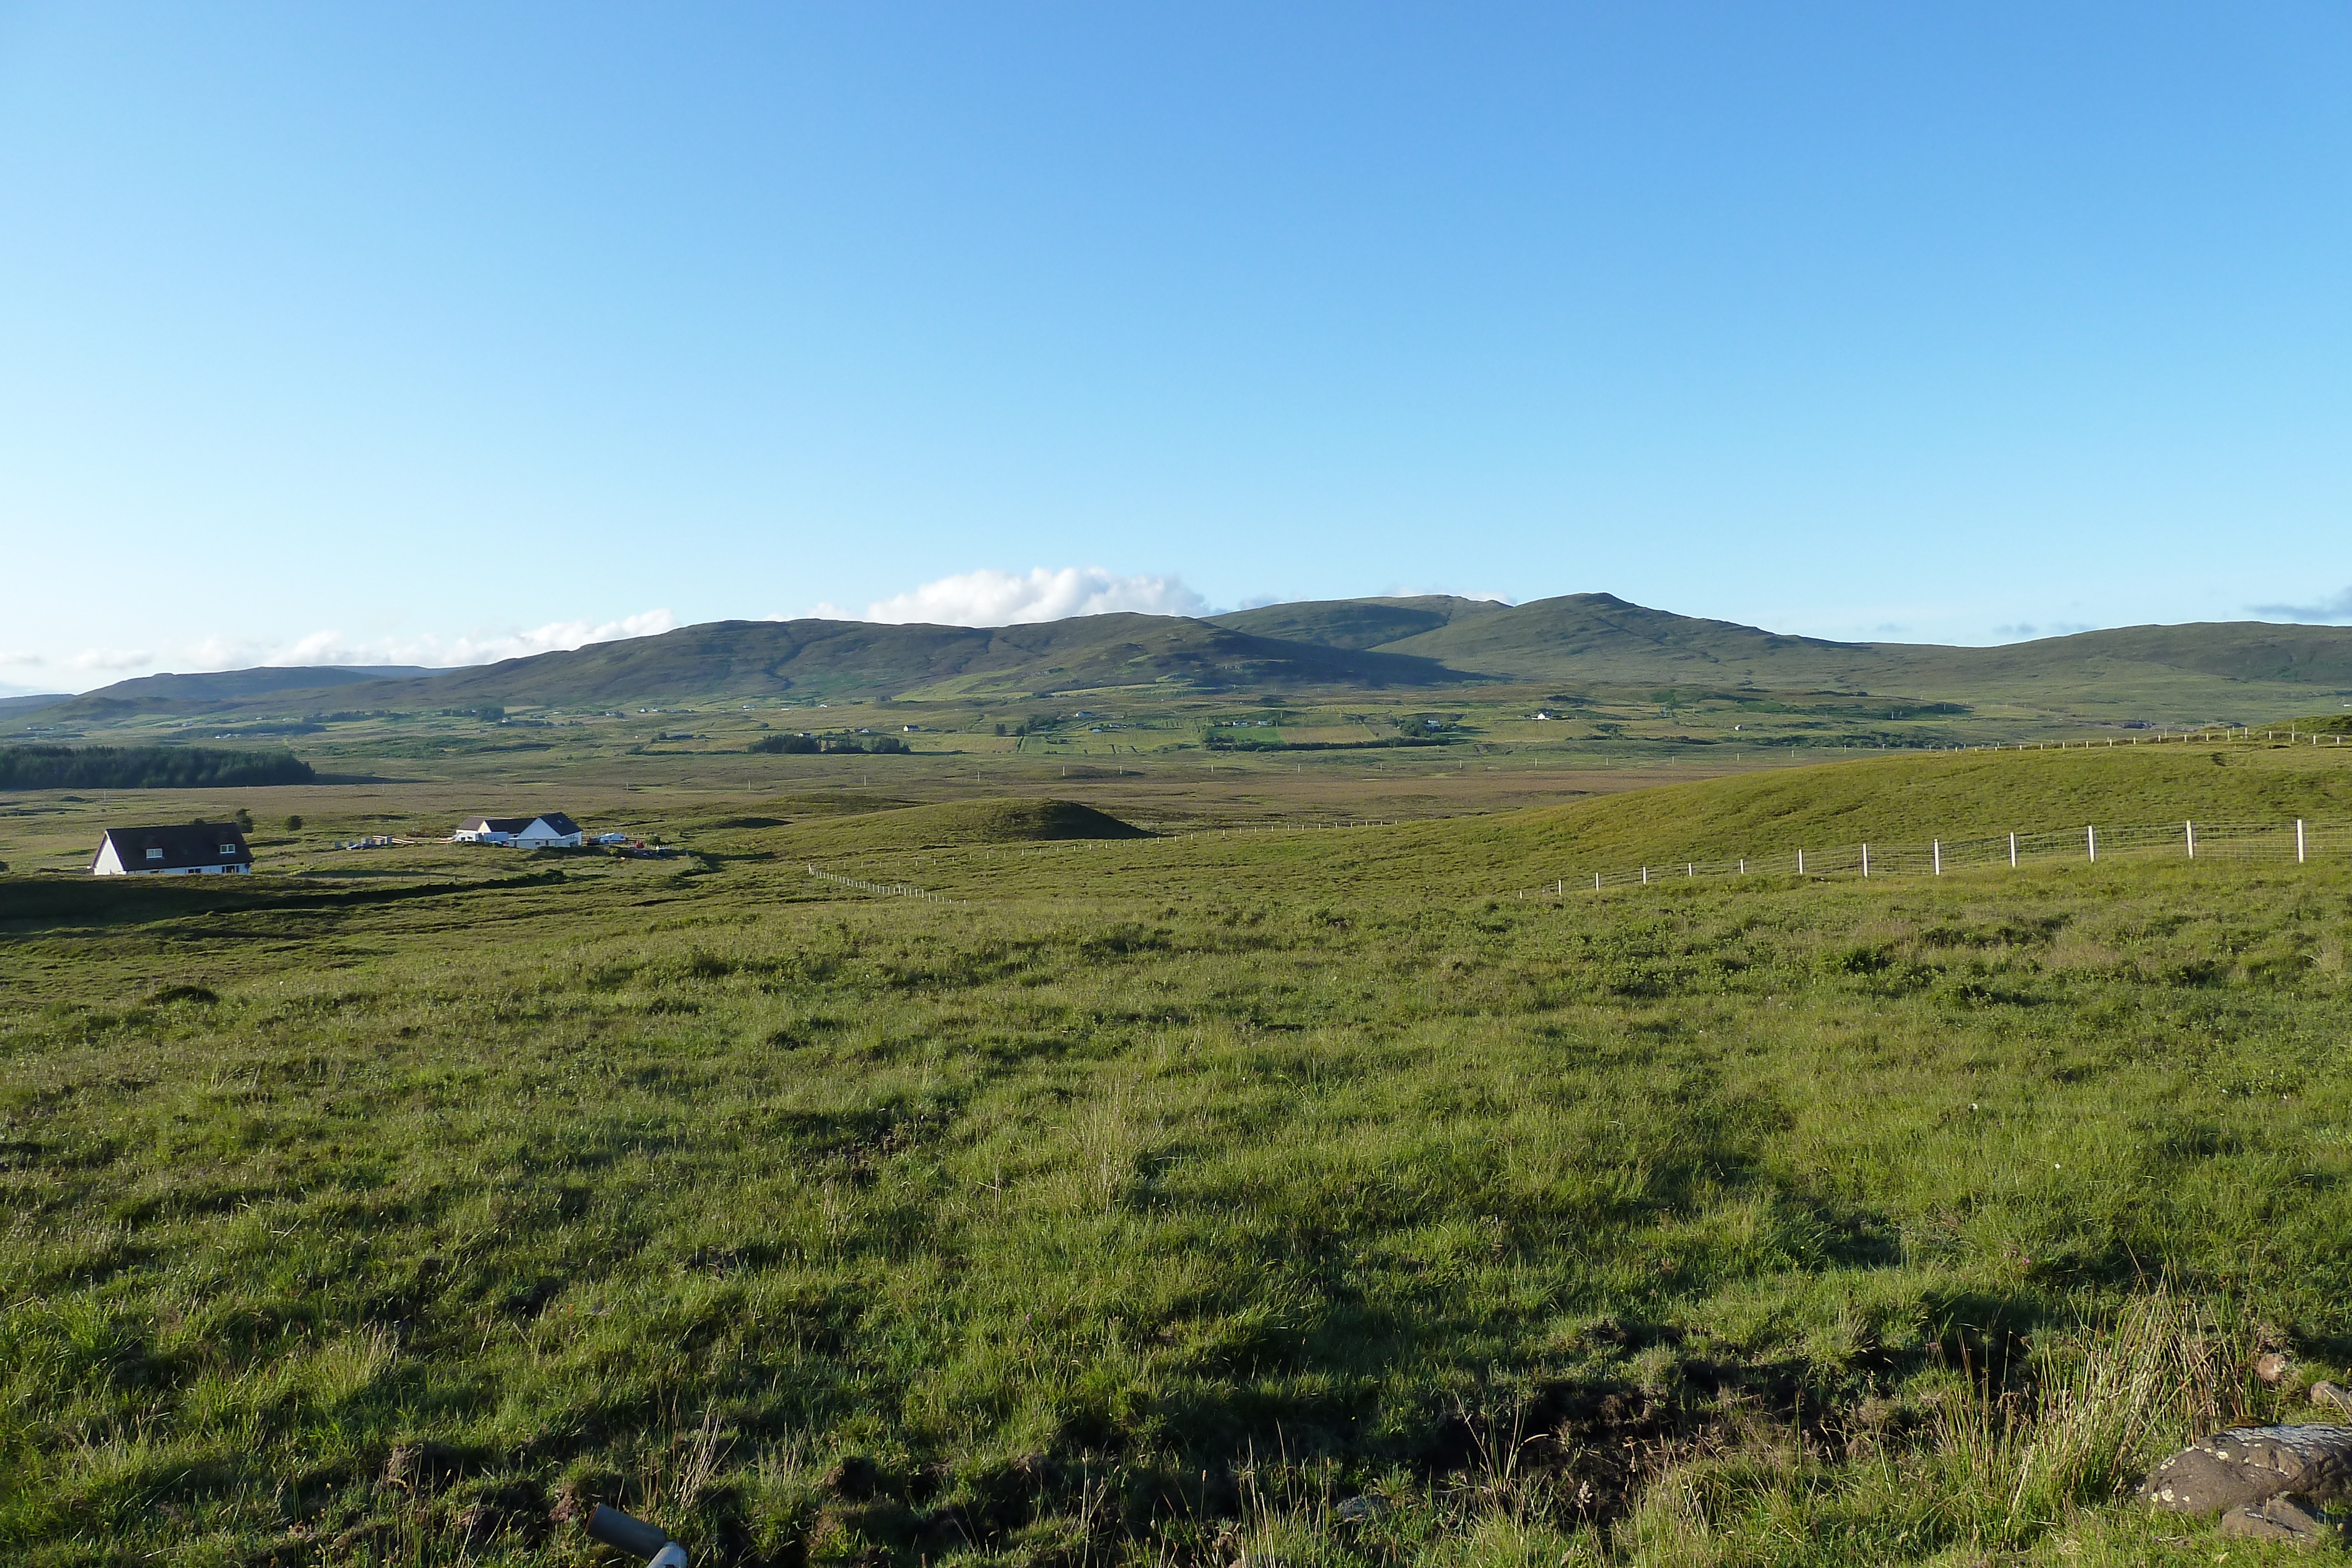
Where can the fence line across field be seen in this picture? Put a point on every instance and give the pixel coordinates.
(894, 889)
(2298, 842)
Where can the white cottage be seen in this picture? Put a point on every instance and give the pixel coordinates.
(192, 848)
(549, 831)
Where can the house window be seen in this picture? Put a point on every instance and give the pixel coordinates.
(154, 854)
(228, 849)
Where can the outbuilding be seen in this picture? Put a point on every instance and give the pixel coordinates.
(548, 830)
(192, 848)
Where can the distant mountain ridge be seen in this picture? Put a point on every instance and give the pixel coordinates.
(228, 686)
(745, 659)
(1431, 642)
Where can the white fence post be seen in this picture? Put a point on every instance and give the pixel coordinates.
(1801, 862)
(1938, 847)
(2299, 841)
(2013, 852)
(2190, 830)
(2090, 837)
(1645, 876)
(1596, 882)
(1866, 859)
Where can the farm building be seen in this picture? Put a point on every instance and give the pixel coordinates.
(548, 830)
(192, 848)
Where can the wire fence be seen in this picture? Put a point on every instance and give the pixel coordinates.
(2296, 842)
(893, 889)
(2209, 734)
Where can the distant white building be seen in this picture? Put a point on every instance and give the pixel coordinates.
(549, 831)
(194, 849)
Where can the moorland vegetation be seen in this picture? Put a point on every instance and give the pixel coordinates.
(1200, 1196)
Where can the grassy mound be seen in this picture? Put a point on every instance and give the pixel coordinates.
(780, 810)
(1002, 821)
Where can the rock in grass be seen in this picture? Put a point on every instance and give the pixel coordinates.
(2330, 1393)
(2282, 1519)
(1361, 1510)
(2246, 1465)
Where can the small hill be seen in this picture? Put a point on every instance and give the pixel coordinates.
(29, 701)
(168, 693)
(999, 822)
(2248, 650)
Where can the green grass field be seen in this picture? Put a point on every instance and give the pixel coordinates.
(1281, 1195)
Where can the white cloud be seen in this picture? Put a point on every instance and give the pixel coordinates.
(333, 648)
(2336, 607)
(560, 634)
(105, 661)
(991, 598)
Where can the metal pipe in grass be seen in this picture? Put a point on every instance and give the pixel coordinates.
(624, 1533)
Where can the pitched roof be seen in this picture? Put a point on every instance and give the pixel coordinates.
(183, 844)
(561, 824)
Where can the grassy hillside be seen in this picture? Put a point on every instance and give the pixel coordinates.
(1967, 795)
(1887, 801)
(1597, 637)
(1175, 1200)
(1357, 623)
(2248, 650)
(741, 659)
(170, 693)
(1614, 667)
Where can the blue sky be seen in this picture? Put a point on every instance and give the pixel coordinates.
(429, 334)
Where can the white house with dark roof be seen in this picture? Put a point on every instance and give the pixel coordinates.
(548, 830)
(191, 849)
